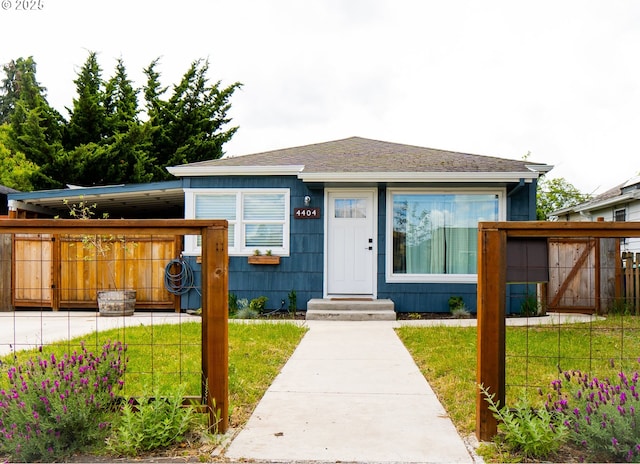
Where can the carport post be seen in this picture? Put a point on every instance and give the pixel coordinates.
(492, 250)
(215, 334)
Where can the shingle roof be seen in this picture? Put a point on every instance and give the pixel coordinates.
(356, 154)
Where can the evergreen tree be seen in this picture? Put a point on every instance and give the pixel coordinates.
(121, 102)
(190, 125)
(16, 171)
(35, 127)
(87, 121)
(104, 141)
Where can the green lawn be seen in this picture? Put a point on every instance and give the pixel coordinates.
(447, 358)
(165, 355)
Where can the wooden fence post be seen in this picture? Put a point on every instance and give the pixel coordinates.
(215, 337)
(492, 250)
(6, 291)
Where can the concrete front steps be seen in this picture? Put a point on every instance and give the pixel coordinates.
(345, 309)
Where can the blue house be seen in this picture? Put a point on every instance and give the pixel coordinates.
(356, 220)
(348, 224)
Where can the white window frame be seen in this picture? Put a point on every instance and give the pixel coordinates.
(392, 277)
(191, 241)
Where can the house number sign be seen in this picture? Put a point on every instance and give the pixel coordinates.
(306, 213)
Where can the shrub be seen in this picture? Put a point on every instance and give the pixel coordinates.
(455, 302)
(258, 304)
(54, 408)
(233, 304)
(293, 301)
(461, 312)
(534, 433)
(530, 306)
(602, 415)
(156, 422)
(246, 313)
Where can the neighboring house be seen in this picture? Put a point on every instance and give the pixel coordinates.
(351, 219)
(620, 203)
(358, 219)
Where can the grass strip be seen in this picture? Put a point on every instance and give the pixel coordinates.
(166, 355)
(446, 357)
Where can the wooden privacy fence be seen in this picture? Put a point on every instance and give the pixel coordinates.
(215, 272)
(494, 239)
(61, 271)
(631, 270)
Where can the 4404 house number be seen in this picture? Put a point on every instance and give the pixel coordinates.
(306, 213)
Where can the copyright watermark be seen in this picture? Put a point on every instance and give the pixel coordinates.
(22, 5)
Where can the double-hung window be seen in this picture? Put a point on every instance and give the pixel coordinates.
(258, 218)
(432, 236)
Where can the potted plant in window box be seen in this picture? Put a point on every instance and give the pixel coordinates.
(106, 249)
(267, 258)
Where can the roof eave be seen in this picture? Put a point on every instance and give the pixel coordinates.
(402, 177)
(608, 202)
(593, 206)
(200, 171)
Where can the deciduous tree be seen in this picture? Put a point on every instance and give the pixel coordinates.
(555, 194)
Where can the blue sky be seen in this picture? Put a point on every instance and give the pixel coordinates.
(558, 79)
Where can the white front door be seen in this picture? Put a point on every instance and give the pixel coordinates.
(351, 242)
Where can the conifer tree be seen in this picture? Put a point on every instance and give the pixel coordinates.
(87, 122)
(35, 127)
(190, 125)
(121, 102)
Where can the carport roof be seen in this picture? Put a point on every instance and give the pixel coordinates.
(152, 200)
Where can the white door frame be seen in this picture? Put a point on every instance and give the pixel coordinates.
(374, 235)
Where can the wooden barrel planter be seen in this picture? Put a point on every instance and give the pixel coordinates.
(116, 302)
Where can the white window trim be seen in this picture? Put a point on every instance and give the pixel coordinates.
(191, 247)
(433, 278)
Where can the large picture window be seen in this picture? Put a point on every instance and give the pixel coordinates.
(434, 235)
(258, 219)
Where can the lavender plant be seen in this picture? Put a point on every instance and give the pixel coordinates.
(55, 407)
(155, 422)
(601, 414)
(533, 433)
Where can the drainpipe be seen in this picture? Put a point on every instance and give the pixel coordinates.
(517, 188)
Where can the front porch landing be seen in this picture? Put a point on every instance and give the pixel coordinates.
(350, 310)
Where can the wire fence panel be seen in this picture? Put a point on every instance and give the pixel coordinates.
(52, 272)
(583, 272)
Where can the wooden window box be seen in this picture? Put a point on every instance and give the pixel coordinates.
(263, 259)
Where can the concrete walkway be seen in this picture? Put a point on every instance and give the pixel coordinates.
(350, 393)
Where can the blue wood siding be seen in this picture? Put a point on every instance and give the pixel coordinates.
(302, 271)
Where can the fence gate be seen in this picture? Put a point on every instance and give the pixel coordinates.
(573, 276)
(582, 274)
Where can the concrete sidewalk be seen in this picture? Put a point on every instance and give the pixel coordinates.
(21, 330)
(350, 393)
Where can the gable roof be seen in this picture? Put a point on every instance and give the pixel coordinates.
(357, 158)
(621, 193)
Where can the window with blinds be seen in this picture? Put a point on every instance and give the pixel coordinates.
(258, 219)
